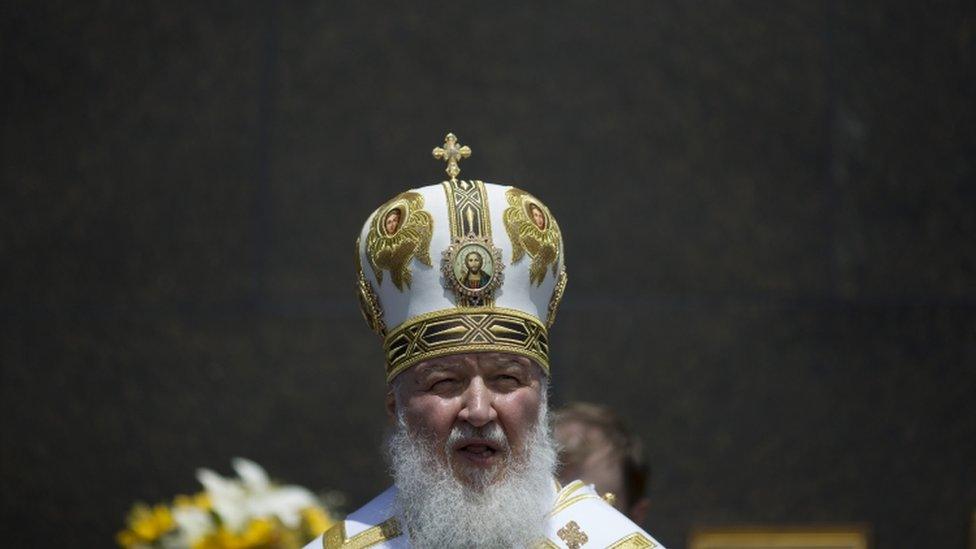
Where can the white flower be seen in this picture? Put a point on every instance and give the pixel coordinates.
(193, 523)
(254, 496)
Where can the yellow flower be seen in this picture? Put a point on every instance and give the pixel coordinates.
(201, 500)
(259, 533)
(146, 525)
(316, 520)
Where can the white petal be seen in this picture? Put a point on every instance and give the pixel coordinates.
(254, 477)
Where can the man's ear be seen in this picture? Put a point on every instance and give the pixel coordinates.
(391, 404)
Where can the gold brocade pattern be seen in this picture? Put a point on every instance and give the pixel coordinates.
(335, 538)
(400, 230)
(572, 535)
(369, 303)
(468, 330)
(533, 231)
(467, 204)
(557, 297)
(636, 540)
(469, 220)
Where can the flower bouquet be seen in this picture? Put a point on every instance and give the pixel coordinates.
(248, 512)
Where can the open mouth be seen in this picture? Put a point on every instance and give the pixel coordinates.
(477, 451)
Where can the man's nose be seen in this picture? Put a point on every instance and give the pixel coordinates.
(478, 407)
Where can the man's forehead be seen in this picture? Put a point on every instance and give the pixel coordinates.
(473, 359)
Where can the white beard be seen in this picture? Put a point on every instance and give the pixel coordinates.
(437, 510)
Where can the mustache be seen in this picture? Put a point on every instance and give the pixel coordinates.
(491, 432)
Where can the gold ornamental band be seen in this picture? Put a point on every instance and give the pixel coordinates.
(468, 330)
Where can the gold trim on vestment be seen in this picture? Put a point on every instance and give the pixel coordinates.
(466, 330)
(636, 540)
(572, 501)
(565, 497)
(335, 537)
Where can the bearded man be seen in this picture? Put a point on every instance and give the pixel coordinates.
(471, 452)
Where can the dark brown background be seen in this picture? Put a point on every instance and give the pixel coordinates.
(769, 210)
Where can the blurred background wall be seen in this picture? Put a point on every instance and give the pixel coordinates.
(769, 211)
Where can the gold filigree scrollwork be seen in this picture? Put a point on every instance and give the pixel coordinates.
(400, 230)
(556, 299)
(533, 231)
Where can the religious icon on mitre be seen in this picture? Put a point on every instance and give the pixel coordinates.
(472, 267)
(533, 232)
(400, 231)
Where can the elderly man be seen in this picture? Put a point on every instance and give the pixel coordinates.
(471, 452)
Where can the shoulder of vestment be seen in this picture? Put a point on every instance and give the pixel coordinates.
(372, 525)
(581, 518)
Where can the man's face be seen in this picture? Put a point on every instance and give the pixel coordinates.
(392, 221)
(473, 261)
(538, 218)
(470, 394)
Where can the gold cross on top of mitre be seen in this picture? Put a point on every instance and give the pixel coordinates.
(452, 154)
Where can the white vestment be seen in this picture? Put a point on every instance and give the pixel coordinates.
(580, 519)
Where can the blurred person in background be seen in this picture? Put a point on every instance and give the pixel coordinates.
(596, 447)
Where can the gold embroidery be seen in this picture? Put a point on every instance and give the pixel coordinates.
(452, 154)
(610, 498)
(469, 330)
(467, 212)
(568, 490)
(335, 537)
(369, 303)
(636, 540)
(400, 230)
(572, 535)
(467, 205)
(557, 297)
(533, 231)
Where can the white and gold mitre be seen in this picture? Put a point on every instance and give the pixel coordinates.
(462, 266)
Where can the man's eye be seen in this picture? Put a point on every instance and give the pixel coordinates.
(443, 384)
(507, 379)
